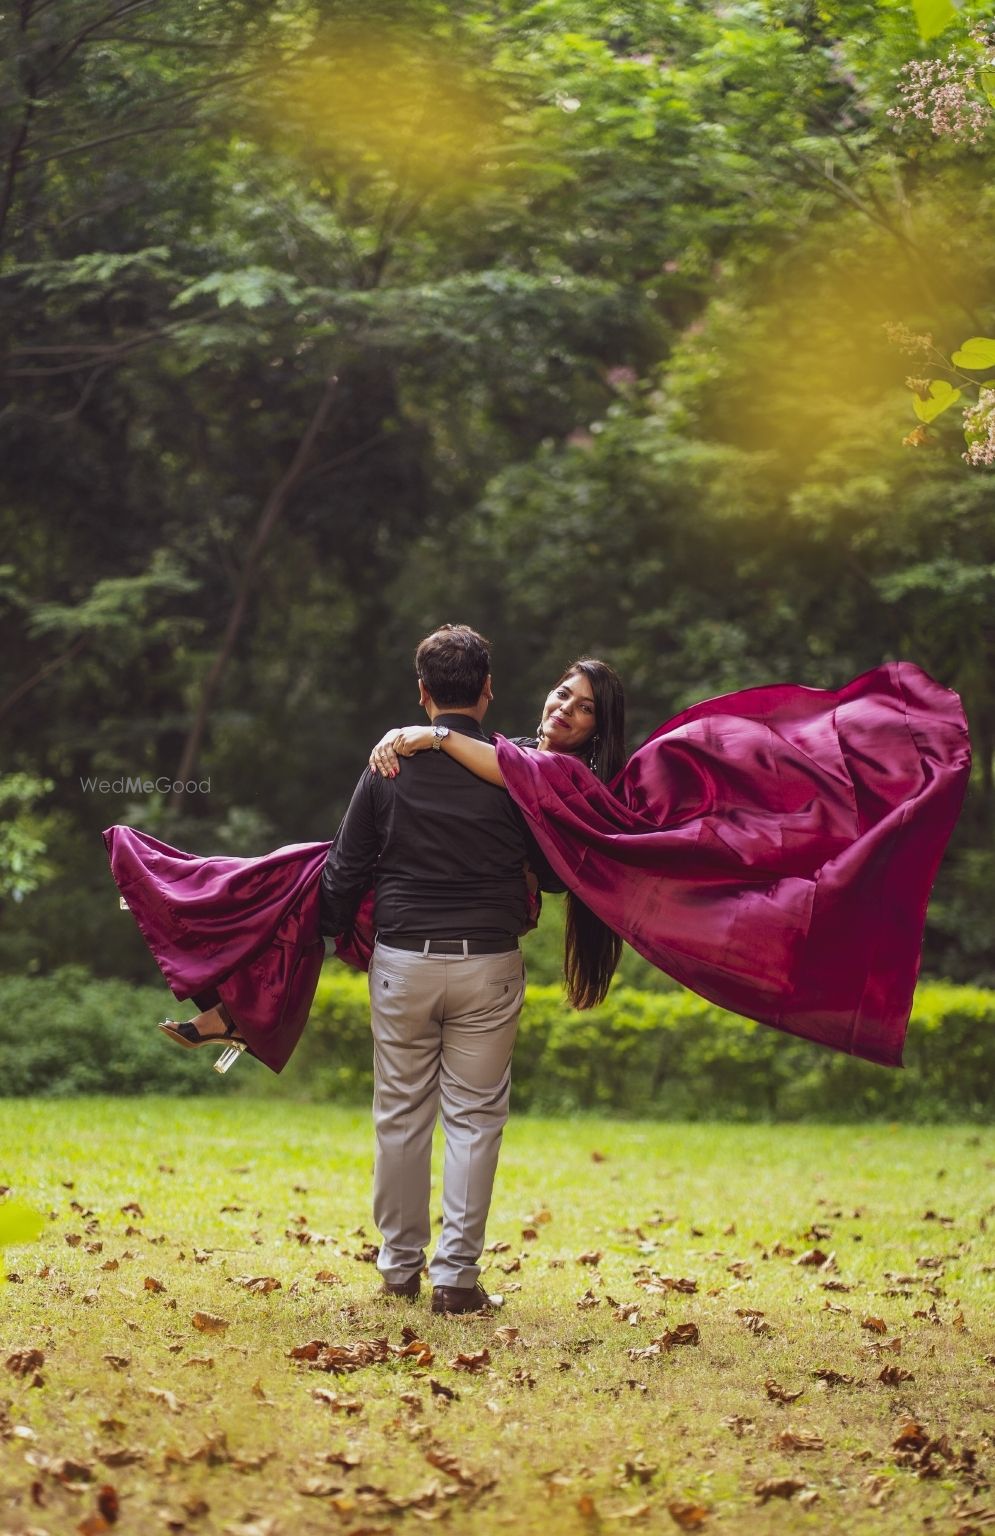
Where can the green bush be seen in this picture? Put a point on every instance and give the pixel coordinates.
(655, 1054)
(68, 1033)
(673, 1055)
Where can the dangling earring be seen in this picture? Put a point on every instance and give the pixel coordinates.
(593, 750)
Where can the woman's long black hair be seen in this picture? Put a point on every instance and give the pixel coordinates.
(593, 950)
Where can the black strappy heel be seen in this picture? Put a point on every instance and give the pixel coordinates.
(189, 1036)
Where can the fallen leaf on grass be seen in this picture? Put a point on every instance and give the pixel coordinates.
(66, 1471)
(439, 1389)
(830, 1378)
(592, 1256)
(690, 1517)
(738, 1424)
(778, 1488)
(23, 1361)
(165, 1397)
(779, 1394)
(205, 1360)
(755, 1322)
(118, 1362)
(327, 1277)
(320, 1488)
(912, 1436)
(122, 1455)
(892, 1375)
(453, 1467)
(799, 1440)
(347, 1405)
(479, 1361)
(209, 1322)
(635, 1470)
(874, 1324)
(814, 1257)
(260, 1285)
(876, 1489)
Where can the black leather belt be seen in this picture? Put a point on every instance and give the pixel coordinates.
(449, 946)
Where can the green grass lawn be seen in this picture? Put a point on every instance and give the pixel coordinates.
(574, 1420)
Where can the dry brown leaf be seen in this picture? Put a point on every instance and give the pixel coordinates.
(320, 1488)
(586, 1506)
(24, 1361)
(830, 1378)
(876, 1489)
(757, 1324)
(347, 1405)
(690, 1517)
(451, 1465)
(636, 1470)
(912, 1436)
(417, 1349)
(118, 1362)
(327, 1277)
(260, 1285)
(814, 1257)
(205, 1360)
(479, 1361)
(133, 1209)
(778, 1488)
(122, 1455)
(107, 1503)
(799, 1440)
(738, 1424)
(62, 1468)
(779, 1394)
(592, 1256)
(439, 1389)
(892, 1375)
(508, 1335)
(165, 1397)
(874, 1324)
(93, 1525)
(209, 1322)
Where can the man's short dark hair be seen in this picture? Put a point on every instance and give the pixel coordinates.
(453, 663)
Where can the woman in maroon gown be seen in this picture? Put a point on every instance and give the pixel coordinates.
(772, 849)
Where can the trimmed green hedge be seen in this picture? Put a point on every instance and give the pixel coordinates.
(673, 1055)
(655, 1054)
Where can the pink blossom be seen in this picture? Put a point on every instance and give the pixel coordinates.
(979, 429)
(946, 95)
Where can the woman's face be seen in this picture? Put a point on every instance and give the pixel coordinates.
(569, 718)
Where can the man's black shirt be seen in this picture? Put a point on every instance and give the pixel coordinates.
(443, 848)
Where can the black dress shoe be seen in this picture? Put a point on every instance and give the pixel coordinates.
(408, 1288)
(463, 1298)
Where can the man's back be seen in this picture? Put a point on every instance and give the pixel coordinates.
(444, 849)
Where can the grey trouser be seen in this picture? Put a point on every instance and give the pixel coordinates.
(444, 1029)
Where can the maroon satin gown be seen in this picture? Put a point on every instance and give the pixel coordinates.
(772, 849)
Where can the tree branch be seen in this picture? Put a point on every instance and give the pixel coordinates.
(273, 509)
(37, 677)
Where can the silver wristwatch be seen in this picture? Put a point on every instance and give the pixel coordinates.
(439, 734)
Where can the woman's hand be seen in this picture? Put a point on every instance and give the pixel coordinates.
(402, 741)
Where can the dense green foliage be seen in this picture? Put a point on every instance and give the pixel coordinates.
(658, 1055)
(329, 319)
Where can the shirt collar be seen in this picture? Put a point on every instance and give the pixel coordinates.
(464, 724)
